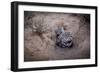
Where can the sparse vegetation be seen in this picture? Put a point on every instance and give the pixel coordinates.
(38, 24)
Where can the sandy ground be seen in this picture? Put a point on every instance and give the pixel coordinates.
(39, 45)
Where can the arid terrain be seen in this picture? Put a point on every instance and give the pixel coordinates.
(40, 39)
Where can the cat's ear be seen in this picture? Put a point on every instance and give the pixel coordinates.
(62, 30)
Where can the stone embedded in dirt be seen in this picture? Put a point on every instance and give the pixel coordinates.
(63, 39)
